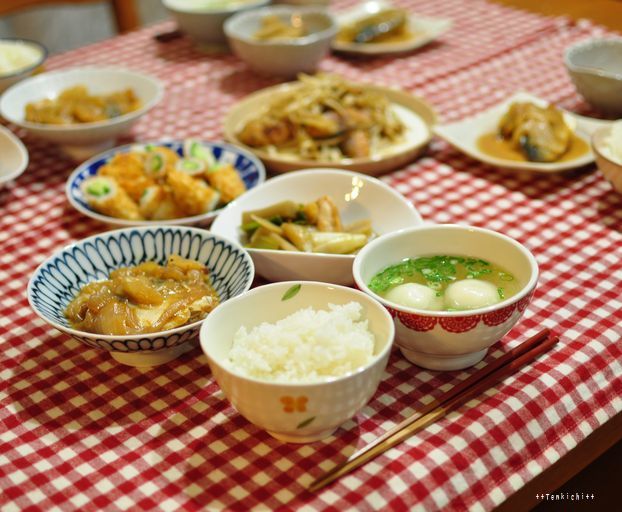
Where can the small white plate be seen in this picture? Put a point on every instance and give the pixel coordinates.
(424, 30)
(13, 156)
(464, 135)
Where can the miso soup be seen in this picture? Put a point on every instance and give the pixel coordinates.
(445, 283)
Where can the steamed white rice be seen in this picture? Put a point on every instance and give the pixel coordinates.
(306, 346)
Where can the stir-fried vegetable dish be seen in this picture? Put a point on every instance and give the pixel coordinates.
(326, 118)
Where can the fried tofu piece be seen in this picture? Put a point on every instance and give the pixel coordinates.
(227, 181)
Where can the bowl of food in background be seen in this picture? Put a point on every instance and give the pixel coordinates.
(308, 225)
(203, 20)
(452, 290)
(19, 58)
(13, 156)
(163, 182)
(139, 293)
(595, 68)
(282, 40)
(298, 359)
(83, 109)
(607, 146)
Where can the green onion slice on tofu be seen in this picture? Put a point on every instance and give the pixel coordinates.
(191, 166)
(98, 187)
(155, 164)
(194, 149)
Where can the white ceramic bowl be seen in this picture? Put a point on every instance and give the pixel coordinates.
(450, 340)
(611, 169)
(35, 52)
(13, 156)
(203, 20)
(85, 139)
(320, 407)
(59, 278)
(595, 67)
(285, 57)
(357, 196)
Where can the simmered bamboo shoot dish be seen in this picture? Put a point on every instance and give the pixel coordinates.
(312, 227)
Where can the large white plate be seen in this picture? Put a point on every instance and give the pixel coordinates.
(464, 134)
(424, 30)
(13, 156)
(418, 116)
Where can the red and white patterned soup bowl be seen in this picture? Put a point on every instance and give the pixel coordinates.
(450, 340)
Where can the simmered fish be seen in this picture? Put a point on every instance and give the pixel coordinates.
(541, 134)
(372, 28)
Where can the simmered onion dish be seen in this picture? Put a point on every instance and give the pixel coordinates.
(144, 298)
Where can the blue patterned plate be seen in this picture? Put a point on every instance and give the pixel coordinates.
(249, 167)
(58, 280)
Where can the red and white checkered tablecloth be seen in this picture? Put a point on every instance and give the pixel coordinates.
(80, 431)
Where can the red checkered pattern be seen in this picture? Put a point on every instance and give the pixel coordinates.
(81, 431)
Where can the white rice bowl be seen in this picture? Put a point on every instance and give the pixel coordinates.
(306, 346)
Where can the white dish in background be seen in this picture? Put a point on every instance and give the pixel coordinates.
(357, 197)
(418, 116)
(19, 58)
(282, 56)
(13, 156)
(463, 135)
(203, 20)
(424, 30)
(595, 68)
(80, 140)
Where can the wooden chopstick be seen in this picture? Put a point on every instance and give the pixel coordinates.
(477, 383)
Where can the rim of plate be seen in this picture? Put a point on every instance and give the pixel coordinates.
(19, 146)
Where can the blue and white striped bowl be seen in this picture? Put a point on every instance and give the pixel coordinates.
(250, 168)
(58, 280)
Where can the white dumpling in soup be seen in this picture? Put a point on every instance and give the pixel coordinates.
(414, 295)
(471, 294)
